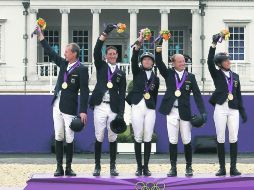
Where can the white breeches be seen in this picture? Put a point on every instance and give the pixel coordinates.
(223, 117)
(143, 120)
(62, 124)
(174, 123)
(102, 119)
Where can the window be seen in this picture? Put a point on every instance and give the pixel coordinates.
(81, 38)
(52, 36)
(176, 42)
(236, 43)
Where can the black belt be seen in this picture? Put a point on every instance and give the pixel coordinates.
(176, 106)
(106, 102)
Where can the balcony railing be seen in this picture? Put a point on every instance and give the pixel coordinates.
(43, 76)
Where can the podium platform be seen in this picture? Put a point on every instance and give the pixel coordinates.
(85, 182)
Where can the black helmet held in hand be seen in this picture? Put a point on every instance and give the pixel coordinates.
(198, 120)
(220, 57)
(118, 125)
(76, 124)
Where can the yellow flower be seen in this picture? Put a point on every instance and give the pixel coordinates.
(225, 34)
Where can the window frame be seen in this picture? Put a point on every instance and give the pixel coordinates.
(240, 23)
(184, 40)
(88, 42)
(244, 46)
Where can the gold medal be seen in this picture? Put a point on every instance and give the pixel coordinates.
(230, 96)
(64, 85)
(147, 96)
(110, 84)
(178, 93)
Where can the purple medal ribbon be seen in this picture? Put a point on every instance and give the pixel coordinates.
(148, 87)
(67, 73)
(229, 82)
(110, 75)
(180, 84)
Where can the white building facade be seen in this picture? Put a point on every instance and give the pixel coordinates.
(25, 67)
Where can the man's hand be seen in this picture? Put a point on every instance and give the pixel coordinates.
(109, 29)
(83, 117)
(159, 45)
(139, 41)
(141, 36)
(216, 38)
(106, 32)
(204, 115)
(244, 116)
(39, 33)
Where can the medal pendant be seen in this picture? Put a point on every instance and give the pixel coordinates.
(230, 96)
(147, 96)
(110, 84)
(178, 93)
(64, 85)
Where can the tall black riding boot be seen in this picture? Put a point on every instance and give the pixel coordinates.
(188, 158)
(138, 155)
(233, 160)
(173, 160)
(97, 156)
(221, 156)
(113, 151)
(147, 153)
(69, 155)
(59, 158)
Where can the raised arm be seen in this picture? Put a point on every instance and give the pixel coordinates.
(48, 50)
(160, 64)
(210, 60)
(134, 62)
(97, 54)
(134, 59)
(97, 49)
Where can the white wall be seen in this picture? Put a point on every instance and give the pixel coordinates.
(13, 43)
(214, 22)
(216, 12)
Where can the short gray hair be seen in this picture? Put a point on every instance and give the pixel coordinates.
(74, 48)
(173, 57)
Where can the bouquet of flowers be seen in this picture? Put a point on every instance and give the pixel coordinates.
(147, 34)
(120, 27)
(164, 34)
(42, 24)
(225, 34)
